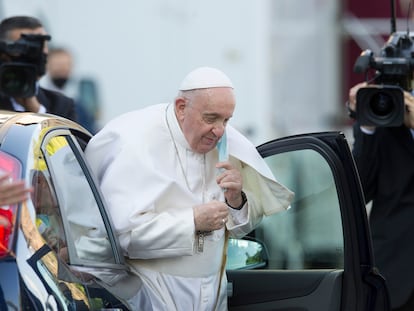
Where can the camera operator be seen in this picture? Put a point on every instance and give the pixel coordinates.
(385, 159)
(44, 101)
(11, 30)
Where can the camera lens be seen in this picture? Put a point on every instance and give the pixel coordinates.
(381, 104)
(17, 80)
(13, 81)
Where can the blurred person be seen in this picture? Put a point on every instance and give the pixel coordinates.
(384, 157)
(178, 179)
(44, 101)
(59, 77)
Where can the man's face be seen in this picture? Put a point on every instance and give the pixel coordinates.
(203, 116)
(59, 65)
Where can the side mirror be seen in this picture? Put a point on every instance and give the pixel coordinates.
(246, 254)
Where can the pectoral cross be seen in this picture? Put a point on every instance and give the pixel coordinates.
(200, 240)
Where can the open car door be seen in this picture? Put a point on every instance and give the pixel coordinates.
(317, 255)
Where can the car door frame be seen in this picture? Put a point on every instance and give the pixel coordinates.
(88, 273)
(359, 285)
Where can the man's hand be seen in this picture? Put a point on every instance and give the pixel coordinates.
(353, 101)
(12, 192)
(231, 181)
(409, 110)
(210, 216)
(4, 222)
(30, 103)
(352, 94)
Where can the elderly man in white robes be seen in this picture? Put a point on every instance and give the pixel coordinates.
(177, 179)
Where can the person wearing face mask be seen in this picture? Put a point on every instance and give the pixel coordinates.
(178, 179)
(44, 101)
(58, 70)
(60, 77)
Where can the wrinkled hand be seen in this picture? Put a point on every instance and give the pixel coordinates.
(12, 192)
(231, 180)
(210, 216)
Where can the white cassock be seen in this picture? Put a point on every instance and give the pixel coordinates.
(151, 180)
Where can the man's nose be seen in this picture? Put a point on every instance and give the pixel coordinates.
(218, 129)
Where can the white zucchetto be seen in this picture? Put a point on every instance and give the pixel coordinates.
(204, 78)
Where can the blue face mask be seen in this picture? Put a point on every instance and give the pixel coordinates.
(222, 148)
(222, 152)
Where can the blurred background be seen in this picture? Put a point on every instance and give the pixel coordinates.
(290, 60)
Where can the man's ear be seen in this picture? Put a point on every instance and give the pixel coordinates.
(180, 104)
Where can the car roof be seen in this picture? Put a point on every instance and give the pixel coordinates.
(26, 118)
(10, 118)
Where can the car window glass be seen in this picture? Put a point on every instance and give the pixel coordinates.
(48, 217)
(87, 238)
(309, 234)
(67, 289)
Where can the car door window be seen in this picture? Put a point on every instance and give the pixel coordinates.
(76, 211)
(48, 217)
(317, 255)
(75, 252)
(306, 236)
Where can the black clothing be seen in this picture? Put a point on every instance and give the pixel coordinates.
(54, 102)
(385, 161)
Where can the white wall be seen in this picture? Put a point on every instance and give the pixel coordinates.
(282, 55)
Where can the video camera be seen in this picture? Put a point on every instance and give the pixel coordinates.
(383, 103)
(21, 64)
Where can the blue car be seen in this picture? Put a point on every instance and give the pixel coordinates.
(62, 253)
